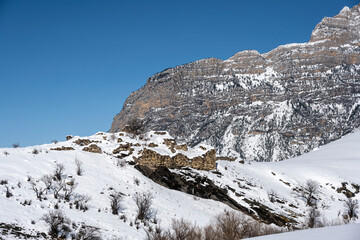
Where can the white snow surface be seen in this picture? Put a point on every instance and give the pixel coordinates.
(330, 165)
(344, 232)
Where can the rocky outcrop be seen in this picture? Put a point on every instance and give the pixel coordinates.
(173, 146)
(84, 142)
(263, 107)
(62, 148)
(123, 147)
(152, 160)
(152, 145)
(203, 187)
(93, 148)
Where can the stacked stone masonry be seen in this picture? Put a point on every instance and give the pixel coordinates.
(152, 160)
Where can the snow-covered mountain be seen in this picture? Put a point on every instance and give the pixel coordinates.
(239, 185)
(263, 107)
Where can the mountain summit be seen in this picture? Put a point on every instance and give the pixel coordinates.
(263, 107)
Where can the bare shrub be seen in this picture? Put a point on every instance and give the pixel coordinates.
(8, 193)
(79, 167)
(54, 141)
(115, 203)
(137, 181)
(39, 191)
(6, 153)
(272, 195)
(112, 137)
(68, 189)
(57, 187)
(58, 224)
(313, 217)
(229, 226)
(81, 202)
(16, 145)
(309, 190)
(266, 230)
(143, 202)
(47, 180)
(135, 126)
(88, 233)
(58, 171)
(157, 234)
(233, 226)
(121, 163)
(3, 182)
(123, 217)
(26, 202)
(182, 229)
(210, 233)
(35, 151)
(351, 207)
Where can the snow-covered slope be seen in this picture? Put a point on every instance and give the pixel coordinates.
(248, 183)
(335, 167)
(345, 232)
(102, 177)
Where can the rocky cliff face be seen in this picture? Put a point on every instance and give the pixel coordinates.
(263, 107)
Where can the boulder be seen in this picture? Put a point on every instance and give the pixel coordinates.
(93, 148)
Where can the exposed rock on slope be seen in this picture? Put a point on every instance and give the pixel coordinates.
(264, 107)
(203, 187)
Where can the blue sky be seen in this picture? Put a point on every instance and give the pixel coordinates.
(66, 67)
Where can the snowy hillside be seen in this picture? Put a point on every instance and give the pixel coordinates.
(335, 167)
(102, 177)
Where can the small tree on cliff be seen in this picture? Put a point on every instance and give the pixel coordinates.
(134, 126)
(309, 190)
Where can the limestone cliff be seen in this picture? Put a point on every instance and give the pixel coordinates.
(263, 107)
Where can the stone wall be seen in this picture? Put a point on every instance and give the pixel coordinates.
(152, 160)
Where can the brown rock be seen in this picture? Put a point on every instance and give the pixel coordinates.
(152, 145)
(183, 147)
(123, 147)
(169, 142)
(93, 148)
(62, 148)
(159, 133)
(152, 160)
(82, 142)
(231, 159)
